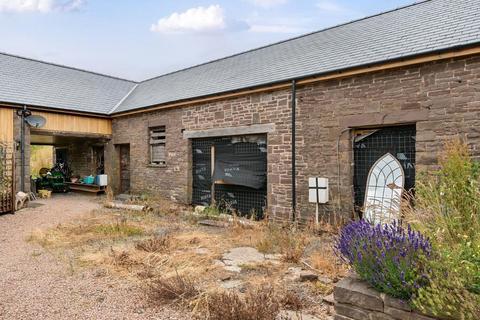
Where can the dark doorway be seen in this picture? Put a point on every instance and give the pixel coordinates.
(124, 151)
(371, 144)
(99, 159)
(234, 170)
(61, 155)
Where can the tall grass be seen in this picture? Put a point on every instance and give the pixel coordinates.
(447, 209)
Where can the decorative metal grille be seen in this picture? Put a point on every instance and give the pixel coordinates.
(384, 190)
(371, 145)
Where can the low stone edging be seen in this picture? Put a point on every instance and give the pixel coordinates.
(356, 300)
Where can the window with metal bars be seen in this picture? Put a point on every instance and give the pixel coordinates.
(157, 146)
(371, 145)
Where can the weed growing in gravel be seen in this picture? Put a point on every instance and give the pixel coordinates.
(178, 289)
(155, 244)
(286, 239)
(257, 304)
(118, 229)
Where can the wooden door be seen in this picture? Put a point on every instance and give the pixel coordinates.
(125, 168)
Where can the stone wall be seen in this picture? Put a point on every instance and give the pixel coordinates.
(80, 158)
(356, 300)
(18, 155)
(174, 178)
(442, 98)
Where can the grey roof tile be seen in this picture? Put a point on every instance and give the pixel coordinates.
(416, 29)
(420, 28)
(32, 82)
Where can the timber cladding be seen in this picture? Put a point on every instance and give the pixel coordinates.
(6, 125)
(75, 123)
(56, 122)
(441, 98)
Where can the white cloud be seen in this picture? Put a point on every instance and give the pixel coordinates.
(268, 3)
(43, 6)
(198, 19)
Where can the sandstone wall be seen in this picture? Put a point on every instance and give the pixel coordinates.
(442, 98)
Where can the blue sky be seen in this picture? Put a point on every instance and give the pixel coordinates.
(138, 39)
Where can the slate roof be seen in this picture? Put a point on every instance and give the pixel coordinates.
(37, 83)
(423, 27)
(411, 30)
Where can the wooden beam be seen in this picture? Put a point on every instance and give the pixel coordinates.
(314, 79)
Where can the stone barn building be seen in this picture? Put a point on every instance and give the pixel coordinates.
(249, 130)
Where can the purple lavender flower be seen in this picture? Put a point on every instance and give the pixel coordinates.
(388, 256)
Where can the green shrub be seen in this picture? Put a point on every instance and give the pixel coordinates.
(447, 209)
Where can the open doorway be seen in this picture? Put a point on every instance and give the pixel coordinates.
(67, 162)
(124, 153)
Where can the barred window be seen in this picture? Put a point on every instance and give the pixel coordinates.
(157, 146)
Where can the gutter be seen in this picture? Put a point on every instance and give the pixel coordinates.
(13, 105)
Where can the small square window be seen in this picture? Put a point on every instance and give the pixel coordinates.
(157, 146)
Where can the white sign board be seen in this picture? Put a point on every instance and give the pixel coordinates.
(318, 190)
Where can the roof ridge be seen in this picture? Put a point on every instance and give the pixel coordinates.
(67, 67)
(123, 99)
(417, 2)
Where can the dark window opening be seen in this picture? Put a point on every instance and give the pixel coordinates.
(234, 169)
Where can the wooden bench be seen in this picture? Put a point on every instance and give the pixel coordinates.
(93, 188)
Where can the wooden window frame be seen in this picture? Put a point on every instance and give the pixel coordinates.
(157, 136)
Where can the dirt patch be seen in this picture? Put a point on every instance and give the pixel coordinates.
(166, 248)
(46, 283)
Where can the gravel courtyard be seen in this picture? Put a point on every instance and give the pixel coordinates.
(36, 284)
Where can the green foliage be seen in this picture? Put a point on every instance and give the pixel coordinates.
(447, 209)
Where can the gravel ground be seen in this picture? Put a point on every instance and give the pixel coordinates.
(35, 284)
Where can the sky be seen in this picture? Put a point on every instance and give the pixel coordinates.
(140, 39)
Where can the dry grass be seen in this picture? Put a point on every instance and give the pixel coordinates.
(155, 244)
(291, 301)
(328, 263)
(257, 304)
(156, 249)
(284, 239)
(176, 289)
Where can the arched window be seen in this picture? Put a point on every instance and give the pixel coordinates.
(384, 189)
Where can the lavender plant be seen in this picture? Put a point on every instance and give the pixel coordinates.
(388, 257)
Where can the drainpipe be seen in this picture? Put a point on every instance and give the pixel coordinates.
(294, 186)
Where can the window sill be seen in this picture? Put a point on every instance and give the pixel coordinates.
(156, 165)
